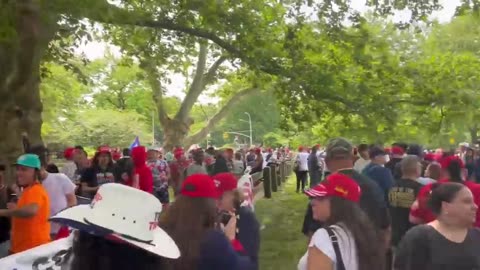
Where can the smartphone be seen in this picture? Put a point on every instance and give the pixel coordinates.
(224, 217)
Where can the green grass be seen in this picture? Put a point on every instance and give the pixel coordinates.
(281, 217)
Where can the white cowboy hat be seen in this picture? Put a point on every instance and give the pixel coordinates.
(123, 213)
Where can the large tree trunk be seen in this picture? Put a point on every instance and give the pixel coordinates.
(175, 131)
(20, 55)
(215, 119)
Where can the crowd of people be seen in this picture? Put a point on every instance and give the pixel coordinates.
(402, 208)
(109, 200)
(369, 207)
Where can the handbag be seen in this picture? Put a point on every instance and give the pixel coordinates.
(336, 248)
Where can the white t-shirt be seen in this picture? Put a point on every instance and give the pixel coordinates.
(69, 170)
(58, 185)
(360, 164)
(321, 240)
(302, 159)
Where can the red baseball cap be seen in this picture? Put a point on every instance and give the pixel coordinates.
(336, 185)
(225, 182)
(199, 186)
(68, 153)
(104, 149)
(430, 157)
(446, 161)
(397, 150)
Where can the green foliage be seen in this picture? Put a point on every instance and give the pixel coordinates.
(366, 79)
(96, 127)
(62, 95)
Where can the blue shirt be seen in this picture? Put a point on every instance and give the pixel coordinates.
(381, 175)
(217, 253)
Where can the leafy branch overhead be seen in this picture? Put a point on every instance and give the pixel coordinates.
(323, 60)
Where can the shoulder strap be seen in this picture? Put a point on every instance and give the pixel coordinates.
(336, 248)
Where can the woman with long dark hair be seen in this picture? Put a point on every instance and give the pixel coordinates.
(357, 245)
(193, 223)
(449, 242)
(101, 172)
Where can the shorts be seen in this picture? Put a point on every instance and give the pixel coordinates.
(162, 195)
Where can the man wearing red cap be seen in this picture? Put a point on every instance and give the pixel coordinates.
(69, 168)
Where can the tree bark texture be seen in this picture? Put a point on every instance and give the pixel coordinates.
(20, 55)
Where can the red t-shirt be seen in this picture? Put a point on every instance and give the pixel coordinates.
(422, 212)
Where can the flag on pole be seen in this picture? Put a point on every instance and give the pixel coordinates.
(135, 143)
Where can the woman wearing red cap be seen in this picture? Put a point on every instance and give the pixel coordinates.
(230, 200)
(192, 223)
(101, 172)
(357, 246)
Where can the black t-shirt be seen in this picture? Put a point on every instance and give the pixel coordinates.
(372, 202)
(123, 170)
(394, 166)
(95, 176)
(424, 248)
(401, 197)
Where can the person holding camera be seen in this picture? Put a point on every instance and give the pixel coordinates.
(192, 222)
(230, 200)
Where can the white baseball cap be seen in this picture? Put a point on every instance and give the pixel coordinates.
(125, 214)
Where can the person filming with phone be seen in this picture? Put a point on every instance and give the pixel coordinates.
(192, 223)
(229, 205)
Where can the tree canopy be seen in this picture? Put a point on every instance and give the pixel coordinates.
(320, 67)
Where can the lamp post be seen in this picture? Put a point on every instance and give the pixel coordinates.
(250, 123)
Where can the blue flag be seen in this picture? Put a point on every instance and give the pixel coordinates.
(135, 143)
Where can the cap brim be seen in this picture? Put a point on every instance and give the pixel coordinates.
(317, 192)
(77, 216)
(23, 165)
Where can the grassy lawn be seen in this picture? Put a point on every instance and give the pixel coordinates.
(282, 243)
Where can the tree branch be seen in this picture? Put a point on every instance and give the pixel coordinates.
(212, 71)
(157, 91)
(104, 12)
(197, 86)
(107, 13)
(235, 99)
